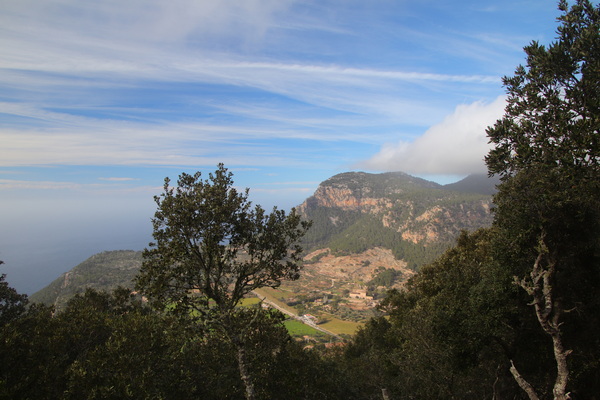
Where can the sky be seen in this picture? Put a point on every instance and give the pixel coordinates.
(100, 100)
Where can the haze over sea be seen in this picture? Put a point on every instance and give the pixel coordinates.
(100, 100)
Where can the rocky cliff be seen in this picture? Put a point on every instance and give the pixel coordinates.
(415, 218)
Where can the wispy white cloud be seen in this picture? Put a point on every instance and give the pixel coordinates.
(117, 187)
(68, 64)
(10, 184)
(58, 138)
(145, 20)
(456, 146)
(118, 179)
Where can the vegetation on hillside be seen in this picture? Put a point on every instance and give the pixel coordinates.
(407, 199)
(103, 271)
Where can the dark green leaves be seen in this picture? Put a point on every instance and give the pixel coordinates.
(212, 247)
(552, 117)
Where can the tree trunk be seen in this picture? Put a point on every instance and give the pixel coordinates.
(385, 394)
(244, 372)
(548, 311)
(523, 384)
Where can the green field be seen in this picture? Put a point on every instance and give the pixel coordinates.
(339, 326)
(297, 328)
(249, 301)
(333, 324)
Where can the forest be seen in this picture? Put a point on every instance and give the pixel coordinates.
(510, 312)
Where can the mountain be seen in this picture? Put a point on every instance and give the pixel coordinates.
(476, 183)
(416, 219)
(370, 232)
(102, 271)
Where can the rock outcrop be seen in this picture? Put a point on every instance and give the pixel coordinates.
(355, 211)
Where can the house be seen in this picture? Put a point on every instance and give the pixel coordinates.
(360, 294)
(310, 319)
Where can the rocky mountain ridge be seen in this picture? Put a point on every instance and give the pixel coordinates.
(355, 211)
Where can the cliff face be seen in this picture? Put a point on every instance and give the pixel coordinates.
(355, 211)
(344, 198)
(360, 191)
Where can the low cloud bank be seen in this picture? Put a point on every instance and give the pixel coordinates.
(456, 146)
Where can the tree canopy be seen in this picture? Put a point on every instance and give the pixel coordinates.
(547, 151)
(211, 249)
(552, 117)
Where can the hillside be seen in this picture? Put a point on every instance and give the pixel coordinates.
(414, 218)
(476, 183)
(102, 271)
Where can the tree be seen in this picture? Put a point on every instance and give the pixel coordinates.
(445, 327)
(211, 249)
(552, 116)
(547, 152)
(12, 304)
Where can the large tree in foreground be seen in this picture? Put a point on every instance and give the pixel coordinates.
(547, 152)
(212, 248)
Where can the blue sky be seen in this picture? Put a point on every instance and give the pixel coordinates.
(100, 100)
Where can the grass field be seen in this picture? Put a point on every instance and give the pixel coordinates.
(297, 328)
(339, 326)
(249, 301)
(277, 297)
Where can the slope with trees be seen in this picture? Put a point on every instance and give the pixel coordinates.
(104, 271)
(415, 218)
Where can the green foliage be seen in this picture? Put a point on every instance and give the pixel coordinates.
(551, 120)
(443, 333)
(209, 240)
(212, 249)
(547, 151)
(39, 349)
(110, 346)
(387, 277)
(12, 304)
(327, 222)
(367, 232)
(462, 322)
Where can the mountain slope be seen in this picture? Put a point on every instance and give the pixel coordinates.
(415, 218)
(476, 183)
(102, 271)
